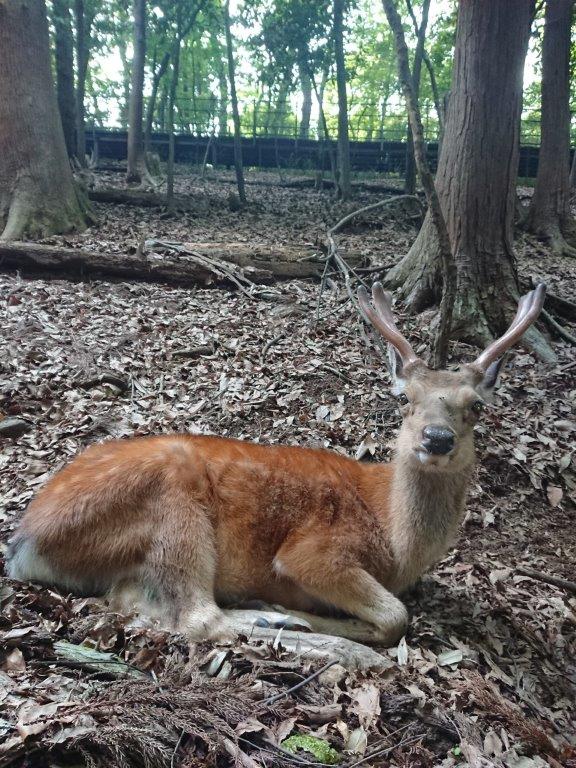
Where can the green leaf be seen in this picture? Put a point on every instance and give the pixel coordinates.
(321, 750)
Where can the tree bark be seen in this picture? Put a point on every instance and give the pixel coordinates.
(344, 180)
(136, 159)
(549, 213)
(238, 164)
(37, 192)
(476, 176)
(64, 56)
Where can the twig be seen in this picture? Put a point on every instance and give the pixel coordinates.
(302, 683)
(380, 204)
(270, 343)
(560, 330)
(386, 750)
(570, 586)
(176, 748)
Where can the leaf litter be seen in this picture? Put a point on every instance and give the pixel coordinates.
(486, 675)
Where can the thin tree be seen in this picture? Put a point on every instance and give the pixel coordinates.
(238, 164)
(38, 196)
(549, 212)
(344, 180)
(408, 82)
(410, 171)
(64, 58)
(171, 106)
(137, 171)
(476, 177)
(84, 13)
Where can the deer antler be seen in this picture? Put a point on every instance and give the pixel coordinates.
(529, 308)
(382, 319)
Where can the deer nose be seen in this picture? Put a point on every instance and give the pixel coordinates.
(437, 440)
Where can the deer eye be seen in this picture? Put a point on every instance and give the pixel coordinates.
(477, 407)
(402, 399)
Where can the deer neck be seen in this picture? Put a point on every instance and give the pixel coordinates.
(426, 508)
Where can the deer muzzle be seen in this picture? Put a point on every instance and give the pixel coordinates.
(437, 440)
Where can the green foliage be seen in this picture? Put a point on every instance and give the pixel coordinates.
(321, 750)
(285, 56)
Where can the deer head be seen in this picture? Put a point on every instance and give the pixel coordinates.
(440, 408)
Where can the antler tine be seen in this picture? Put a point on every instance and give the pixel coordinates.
(528, 310)
(383, 321)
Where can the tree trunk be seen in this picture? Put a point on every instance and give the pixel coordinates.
(410, 170)
(442, 336)
(82, 54)
(573, 173)
(37, 192)
(238, 164)
(64, 55)
(306, 87)
(222, 100)
(344, 180)
(549, 212)
(136, 159)
(125, 106)
(476, 175)
(171, 105)
(156, 78)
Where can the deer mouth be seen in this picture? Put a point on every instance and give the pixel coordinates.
(431, 460)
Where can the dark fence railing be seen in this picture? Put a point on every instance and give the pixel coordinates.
(282, 152)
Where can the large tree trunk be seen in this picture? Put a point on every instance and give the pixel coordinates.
(476, 175)
(136, 158)
(64, 56)
(238, 164)
(549, 213)
(37, 192)
(343, 138)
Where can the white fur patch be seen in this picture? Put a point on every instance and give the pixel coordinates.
(26, 564)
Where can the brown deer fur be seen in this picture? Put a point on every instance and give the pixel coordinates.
(188, 525)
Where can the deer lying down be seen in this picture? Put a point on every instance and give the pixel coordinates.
(187, 525)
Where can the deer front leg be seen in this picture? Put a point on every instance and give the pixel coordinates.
(379, 616)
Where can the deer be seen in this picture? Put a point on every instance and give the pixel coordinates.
(186, 527)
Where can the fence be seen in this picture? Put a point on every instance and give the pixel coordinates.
(384, 157)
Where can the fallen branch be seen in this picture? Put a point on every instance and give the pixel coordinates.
(189, 264)
(273, 699)
(556, 581)
(140, 198)
(559, 329)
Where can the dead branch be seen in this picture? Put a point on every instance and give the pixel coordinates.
(559, 329)
(556, 581)
(273, 699)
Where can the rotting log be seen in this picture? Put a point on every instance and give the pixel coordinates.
(139, 198)
(179, 264)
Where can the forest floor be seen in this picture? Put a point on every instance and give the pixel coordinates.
(486, 675)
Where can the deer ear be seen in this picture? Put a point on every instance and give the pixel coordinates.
(396, 369)
(491, 377)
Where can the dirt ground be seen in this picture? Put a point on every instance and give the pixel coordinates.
(486, 675)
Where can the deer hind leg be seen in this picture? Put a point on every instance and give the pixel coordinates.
(377, 616)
